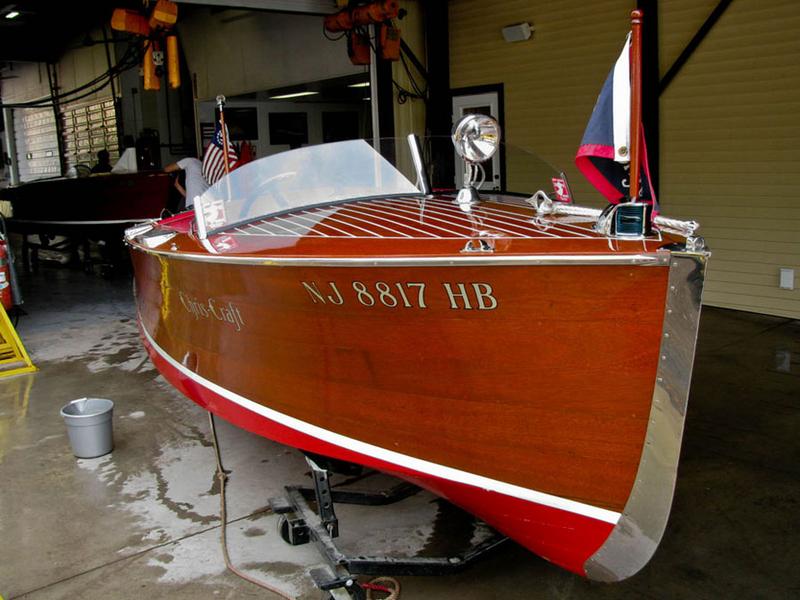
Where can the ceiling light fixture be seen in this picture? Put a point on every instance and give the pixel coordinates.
(12, 15)
(359, 85)
(294, 95)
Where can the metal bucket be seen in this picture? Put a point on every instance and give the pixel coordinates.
(89, 425)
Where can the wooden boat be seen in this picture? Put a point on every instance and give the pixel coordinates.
(528, 360)
(505, 353)
(97, 206)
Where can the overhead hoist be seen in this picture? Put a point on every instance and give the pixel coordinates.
(160, 46)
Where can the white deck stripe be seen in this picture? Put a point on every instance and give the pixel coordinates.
(292, 224)
(410, 462)
(400, 213)
(318, 223)
(349, 223)
(478, 224)
(345, 212)
(507, 218)
(517, 217)
(359, 210)
(267, 232)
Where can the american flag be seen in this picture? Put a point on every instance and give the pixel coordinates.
(213, 161)
(603, 154)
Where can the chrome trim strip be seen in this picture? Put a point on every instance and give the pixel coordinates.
(109, 222)
(384, 454)
(416, 157)
(138, 230)
(649, 259)
(635, 538)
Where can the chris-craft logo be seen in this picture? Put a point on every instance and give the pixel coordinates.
(227, 312)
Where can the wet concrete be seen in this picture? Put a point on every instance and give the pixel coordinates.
(143, 521)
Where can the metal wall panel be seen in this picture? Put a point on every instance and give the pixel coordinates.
(551, 81)
(89, 127)
(234, 52)
(730, 131)
(37, 144)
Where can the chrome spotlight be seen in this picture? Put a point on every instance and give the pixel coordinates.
(476, 139)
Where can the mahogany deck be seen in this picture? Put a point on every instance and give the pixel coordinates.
(414, 227)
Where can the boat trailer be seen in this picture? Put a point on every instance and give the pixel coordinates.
(300, 524)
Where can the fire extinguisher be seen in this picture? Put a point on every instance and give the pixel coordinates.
(5, 276)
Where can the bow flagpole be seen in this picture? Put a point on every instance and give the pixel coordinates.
(224, 132)
(636, 103)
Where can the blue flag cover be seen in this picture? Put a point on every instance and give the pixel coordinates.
(603, 156)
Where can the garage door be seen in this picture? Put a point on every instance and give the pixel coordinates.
(37, 143)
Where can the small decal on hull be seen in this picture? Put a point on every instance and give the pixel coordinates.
(412, 294)
(227, 312)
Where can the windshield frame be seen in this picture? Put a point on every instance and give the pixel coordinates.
(338, 170)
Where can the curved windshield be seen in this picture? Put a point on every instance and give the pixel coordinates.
(303, 177)
(354, 169)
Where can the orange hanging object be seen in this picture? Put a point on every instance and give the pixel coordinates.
(129, 21)
(358, 49)
(376, 12)
(390, 42)
(173, 62)
(164, 15)
(340, 21)
(151, 80)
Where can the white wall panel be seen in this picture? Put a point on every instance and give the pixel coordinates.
(237, 52)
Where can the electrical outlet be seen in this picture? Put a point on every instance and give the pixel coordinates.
(786, 279)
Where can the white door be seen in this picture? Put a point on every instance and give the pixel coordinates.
(483, 104)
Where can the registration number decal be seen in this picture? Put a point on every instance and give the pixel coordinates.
(411, 294)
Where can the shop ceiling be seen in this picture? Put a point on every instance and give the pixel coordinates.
(313, 7)
(42, 31)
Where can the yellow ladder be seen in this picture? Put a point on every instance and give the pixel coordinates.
(13, 357)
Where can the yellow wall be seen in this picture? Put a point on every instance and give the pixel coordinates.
(730, 143)
(729, 122)
(409, 117)
(550, 81)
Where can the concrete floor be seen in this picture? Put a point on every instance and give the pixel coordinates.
(142, 521)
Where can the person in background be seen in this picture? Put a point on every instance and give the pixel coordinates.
(103, 162)
(195, 183)
(5, 175)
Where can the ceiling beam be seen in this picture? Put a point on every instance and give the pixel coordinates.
(311, 7)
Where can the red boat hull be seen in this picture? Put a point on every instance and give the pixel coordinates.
(562, 537)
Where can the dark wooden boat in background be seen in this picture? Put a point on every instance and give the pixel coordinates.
(507, 354)
(96, 206)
